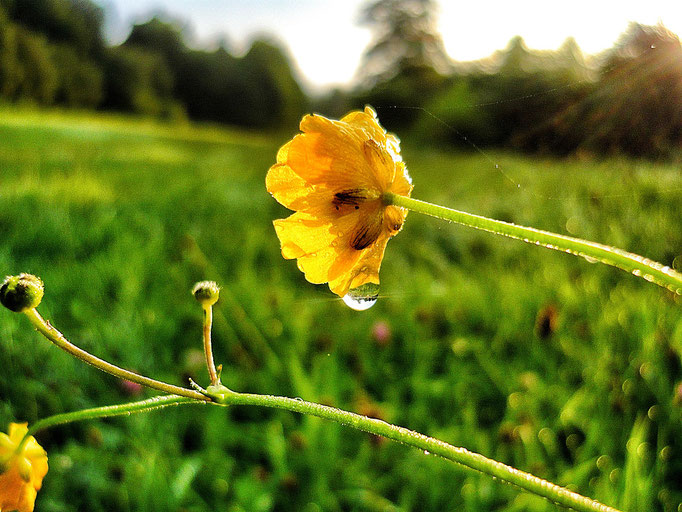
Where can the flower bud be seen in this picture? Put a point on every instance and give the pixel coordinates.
(206, 292)
(18, 293)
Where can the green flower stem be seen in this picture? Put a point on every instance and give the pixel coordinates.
(633, 263)
(158, 402)
(462, 456)
(208, 349)
(45, 328)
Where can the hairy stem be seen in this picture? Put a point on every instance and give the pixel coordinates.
(638, 265)
(433, 446)
(208, 349)
(158, 402)
(45, 328)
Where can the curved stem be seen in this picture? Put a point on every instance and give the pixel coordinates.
(459, 455)
(45, 328)
(633, 263)
(158, 402)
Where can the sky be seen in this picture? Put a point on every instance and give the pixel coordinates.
(324, 39)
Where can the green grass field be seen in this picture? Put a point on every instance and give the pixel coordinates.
(539, 359)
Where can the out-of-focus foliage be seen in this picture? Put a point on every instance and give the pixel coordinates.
(405, 37)
(257, 90)
(80, 80)
(406, 61)
(53, 52)
(628, 100)
(138, 81)
(542, 360)
(637, 105)
(77, 23)
(26, 70)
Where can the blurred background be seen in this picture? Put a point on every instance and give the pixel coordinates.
(174, 60)
(134, 141)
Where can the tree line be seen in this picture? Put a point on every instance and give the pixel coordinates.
(53, 52)
(626, 100)
(629, 100)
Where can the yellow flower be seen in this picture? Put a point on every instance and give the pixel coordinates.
(22, 471)
(334, 175)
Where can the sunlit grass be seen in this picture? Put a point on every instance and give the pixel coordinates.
(121, 216)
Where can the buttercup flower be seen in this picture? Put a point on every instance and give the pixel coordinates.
(22, 471)
(334, 175)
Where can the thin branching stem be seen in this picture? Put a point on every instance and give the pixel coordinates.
(150, 404)
(45, 328)
(218, 394)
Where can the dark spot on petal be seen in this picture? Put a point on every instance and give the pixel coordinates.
(354, 196)
(366, 233)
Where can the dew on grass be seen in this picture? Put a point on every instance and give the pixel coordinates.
(363, 297)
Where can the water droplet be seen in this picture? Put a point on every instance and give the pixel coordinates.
(363, 297)
(426, 452)
(590, 259)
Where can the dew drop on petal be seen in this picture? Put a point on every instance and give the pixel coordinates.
(363, 297)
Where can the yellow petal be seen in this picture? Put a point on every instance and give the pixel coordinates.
(402, 184)
(17, 431)
(327, 264)
(334, 175)
(331, 153)
(282, 153)
(11, 486)
(303, 233)
(292, 191)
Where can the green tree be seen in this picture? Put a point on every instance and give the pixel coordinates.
(276, 99)
(515, 58)
(403, 64)
(138, 81)
(405, 37)
(80, 80)
(9, 72)
(638, 107)
(37, 75)
(161, 37)
(74, 22)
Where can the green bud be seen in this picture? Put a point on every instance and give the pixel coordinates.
(18, 293)
(206, 292)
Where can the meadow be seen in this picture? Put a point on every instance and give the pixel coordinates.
(544, 361)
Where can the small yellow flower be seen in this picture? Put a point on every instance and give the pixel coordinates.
(334, 175)
(21, 471)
